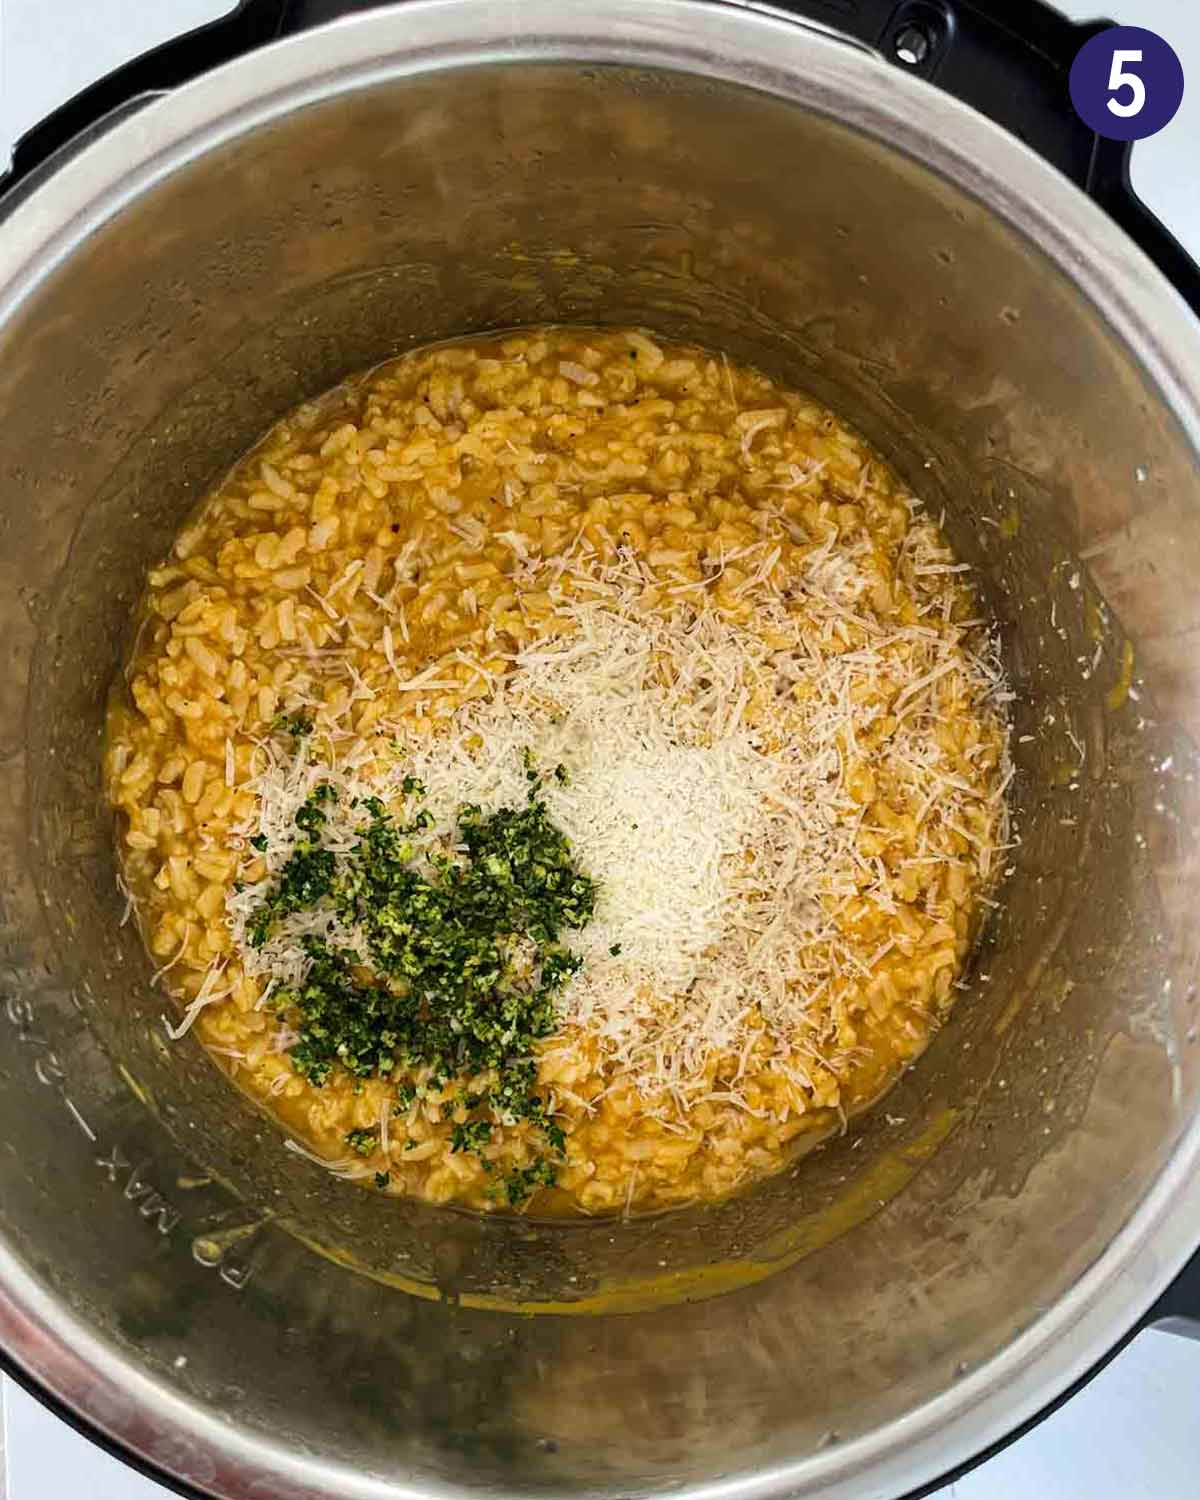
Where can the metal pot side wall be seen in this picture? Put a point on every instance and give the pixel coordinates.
(172, 1273)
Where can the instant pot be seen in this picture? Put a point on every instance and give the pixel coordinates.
(239, 220)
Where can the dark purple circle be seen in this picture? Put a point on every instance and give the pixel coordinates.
(1126, 98)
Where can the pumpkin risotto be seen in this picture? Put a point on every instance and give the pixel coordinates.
(560, 771)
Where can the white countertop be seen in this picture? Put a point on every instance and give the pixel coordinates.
(1134, 1433)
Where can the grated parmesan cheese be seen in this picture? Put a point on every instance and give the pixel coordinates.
(712, 771)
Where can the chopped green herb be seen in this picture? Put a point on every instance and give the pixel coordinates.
(525, 1181)
(461, 1099)
(259, 842)
(382, 1179)
(299, 725)
(472, 1136)
(310, 818)
(308, 874)
(362, 1141)
(464, 958)
(343, 1021)
(615, 949)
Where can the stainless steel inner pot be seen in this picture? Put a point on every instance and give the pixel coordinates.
(248, 1325)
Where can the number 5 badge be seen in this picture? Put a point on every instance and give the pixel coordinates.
(1126, 83)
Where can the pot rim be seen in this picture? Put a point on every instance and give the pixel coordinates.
(813, 67)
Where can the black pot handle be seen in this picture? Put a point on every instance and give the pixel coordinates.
(1178, 1309)
(1010, 60)
(253, 23)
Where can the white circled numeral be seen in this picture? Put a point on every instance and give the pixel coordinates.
(1118, 78)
